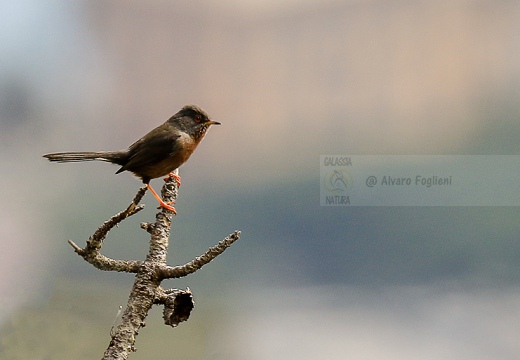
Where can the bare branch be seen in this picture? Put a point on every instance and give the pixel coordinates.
(91, 252)
(169, 272)
(96, 240)
(104, 263)
(146, 290)
(146, 285)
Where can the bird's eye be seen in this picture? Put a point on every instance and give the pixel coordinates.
(197, 118)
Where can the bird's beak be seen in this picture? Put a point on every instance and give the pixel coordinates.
(211, 122)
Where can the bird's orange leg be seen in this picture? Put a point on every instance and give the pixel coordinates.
(176, 177)
(161, 202)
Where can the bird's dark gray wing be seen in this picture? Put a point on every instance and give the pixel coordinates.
(154, 147)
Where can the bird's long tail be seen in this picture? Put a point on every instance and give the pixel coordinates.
(116, 157)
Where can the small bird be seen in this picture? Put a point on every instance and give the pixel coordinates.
(156, 154)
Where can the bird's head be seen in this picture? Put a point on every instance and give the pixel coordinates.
(193, 120)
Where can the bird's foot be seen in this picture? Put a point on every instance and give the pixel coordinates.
(162, 204)
(167, 205)
(175, 177)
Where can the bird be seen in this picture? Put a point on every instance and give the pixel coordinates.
(156, 154)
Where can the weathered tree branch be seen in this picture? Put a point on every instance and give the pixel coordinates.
(146, 290)
(177, 305)
(91, 253)
(170, 272)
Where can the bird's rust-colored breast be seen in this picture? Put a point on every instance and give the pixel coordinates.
(187, 145)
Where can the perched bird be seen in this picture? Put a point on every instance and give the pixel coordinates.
(156, 154)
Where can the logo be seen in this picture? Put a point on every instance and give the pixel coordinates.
(337, 181)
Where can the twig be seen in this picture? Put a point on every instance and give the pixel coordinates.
(170, 272)
(91, 252)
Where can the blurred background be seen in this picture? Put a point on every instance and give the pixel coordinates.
(290, 81)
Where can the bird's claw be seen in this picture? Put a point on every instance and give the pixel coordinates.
(162, 204)
(167, 205)
(175, 177)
